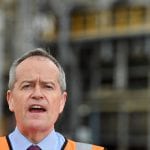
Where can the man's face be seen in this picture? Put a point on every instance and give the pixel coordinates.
(36, 98)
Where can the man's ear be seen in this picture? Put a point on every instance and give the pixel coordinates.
(10, 100)
(63, 101)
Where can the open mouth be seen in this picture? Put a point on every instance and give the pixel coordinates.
(36, 109)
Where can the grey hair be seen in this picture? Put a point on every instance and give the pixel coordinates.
(36, 52)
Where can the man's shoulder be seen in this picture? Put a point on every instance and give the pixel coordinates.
(71, 144)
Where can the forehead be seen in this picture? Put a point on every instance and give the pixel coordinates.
(37, 63)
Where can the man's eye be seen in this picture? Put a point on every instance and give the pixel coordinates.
(48, 86)
(26, 86)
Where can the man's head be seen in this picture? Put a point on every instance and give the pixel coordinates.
(36, 52)
(37, 93)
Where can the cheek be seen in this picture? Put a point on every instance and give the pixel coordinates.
(17, 107)
(18, 104)
(55, 107)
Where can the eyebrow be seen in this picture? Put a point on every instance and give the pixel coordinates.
(32, 81)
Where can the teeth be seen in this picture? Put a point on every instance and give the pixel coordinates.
(36, 107)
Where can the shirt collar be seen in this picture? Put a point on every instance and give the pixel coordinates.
(50, 140)
(53, 141)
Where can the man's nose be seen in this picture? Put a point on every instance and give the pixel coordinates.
(37, 93)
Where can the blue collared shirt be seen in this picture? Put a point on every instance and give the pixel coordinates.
(54, 141)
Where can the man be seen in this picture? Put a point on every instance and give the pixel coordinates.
(37, 95)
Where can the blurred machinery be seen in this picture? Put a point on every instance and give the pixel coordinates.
(104, 46)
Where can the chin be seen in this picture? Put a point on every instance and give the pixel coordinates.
(36, 125)
(36, 128)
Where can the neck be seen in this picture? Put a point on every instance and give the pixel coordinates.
(35, 136)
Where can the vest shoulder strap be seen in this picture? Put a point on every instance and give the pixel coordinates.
(3, 143)
(71, 145)
(81, 146)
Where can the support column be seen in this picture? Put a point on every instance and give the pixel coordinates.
(121, 66)
(2, 25)
(147, 51)
(23, 36)
(120, 82)
(123, 130)
(95, 125)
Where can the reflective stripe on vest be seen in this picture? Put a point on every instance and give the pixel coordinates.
(83, 146)
(71, 145)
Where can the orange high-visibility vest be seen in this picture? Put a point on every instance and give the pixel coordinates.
(4, 143)
(70, 145)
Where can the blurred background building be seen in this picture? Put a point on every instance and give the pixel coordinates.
(104, 46)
